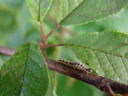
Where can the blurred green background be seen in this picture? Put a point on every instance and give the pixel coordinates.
(17, 27)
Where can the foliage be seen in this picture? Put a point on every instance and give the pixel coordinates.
(38, 8)
(103, 50)
(25, 73)
(83, 11)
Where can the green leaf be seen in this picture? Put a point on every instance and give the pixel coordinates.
(39, 8)
(1, 62)
(84, 11)
(52, 85)
(25, 73)
(104, 52)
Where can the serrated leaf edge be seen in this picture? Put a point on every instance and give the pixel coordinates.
(98, 19)
(97, 49)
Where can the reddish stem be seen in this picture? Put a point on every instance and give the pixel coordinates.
(43, 42)
(42, 34)
(57, 26)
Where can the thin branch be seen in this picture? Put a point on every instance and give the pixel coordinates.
(102, 83)
(42, 42)
(95, 80)
(57, 26)
(7, 51)
(42, 33)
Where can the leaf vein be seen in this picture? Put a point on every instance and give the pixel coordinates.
(124, 65)
(30, 87)
(112, 67)
(33, 74)
(99, 62)
(35, 62)
(97, 50)
(24, 70)
(72, 11)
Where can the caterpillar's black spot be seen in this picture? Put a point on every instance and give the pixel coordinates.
(75, 65)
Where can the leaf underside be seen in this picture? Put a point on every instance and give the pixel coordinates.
(83, 11)
(25, 73)
(39, 8)
(105, 52)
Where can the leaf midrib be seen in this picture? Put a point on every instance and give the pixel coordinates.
(39, 11)
(96, 50)
(71, 12)
(24, 70)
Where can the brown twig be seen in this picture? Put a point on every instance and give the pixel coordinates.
(97, 81)
(7, 51)
(102, 83)
(57, 26)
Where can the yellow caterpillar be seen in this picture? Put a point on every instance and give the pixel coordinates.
(75, 65)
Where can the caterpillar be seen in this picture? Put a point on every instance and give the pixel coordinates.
(75, 65)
